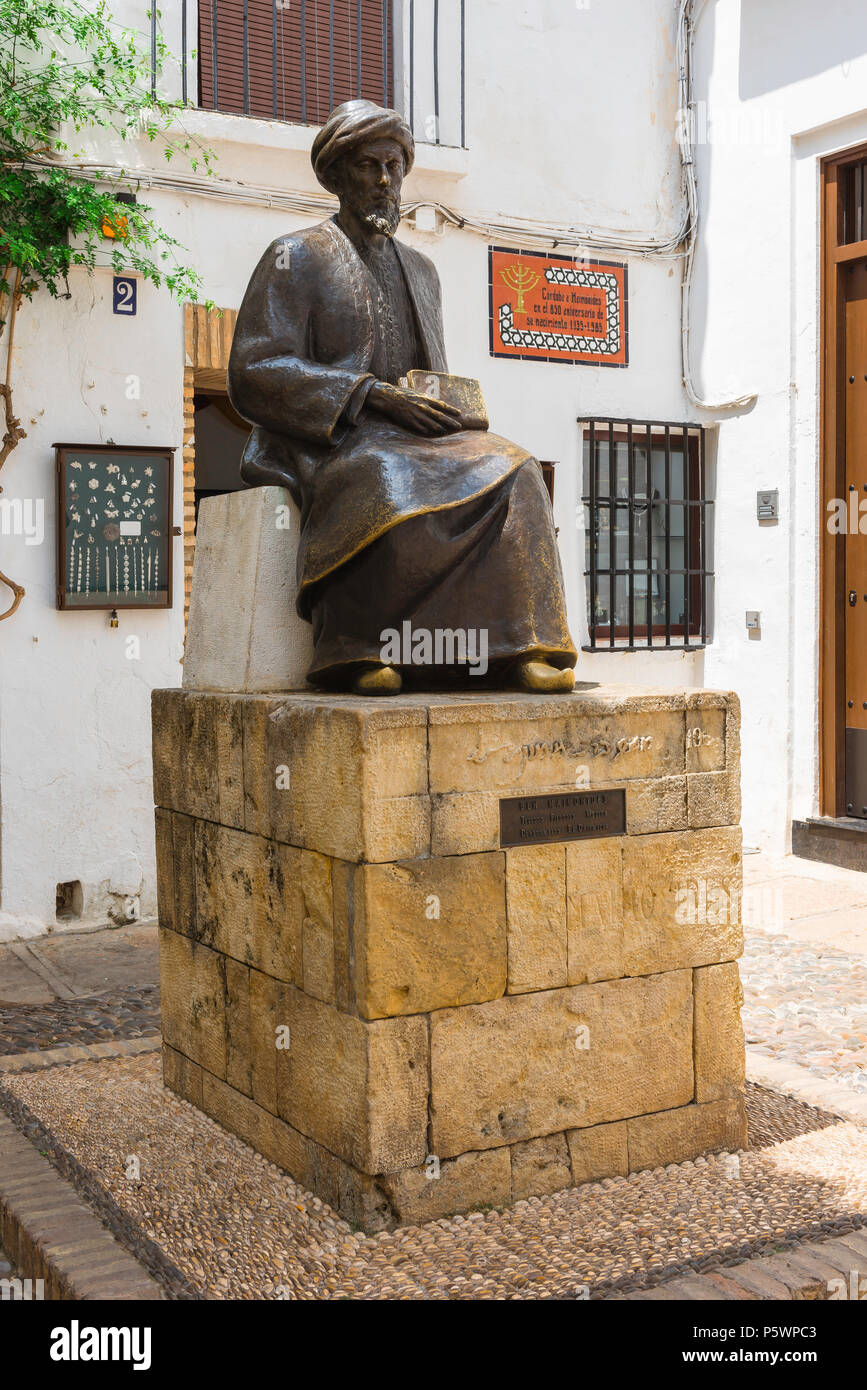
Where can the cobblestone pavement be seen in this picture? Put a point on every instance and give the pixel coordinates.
(235, 1226)
(804, 968)
(121, 1013)
(807, 1004)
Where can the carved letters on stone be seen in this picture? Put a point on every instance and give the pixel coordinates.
(526, 753)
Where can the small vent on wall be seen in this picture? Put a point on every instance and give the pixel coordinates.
(70, 901)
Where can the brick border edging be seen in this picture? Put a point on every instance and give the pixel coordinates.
(50, 1234)
(78, 1052)
(801, 1273)
(56, 1218)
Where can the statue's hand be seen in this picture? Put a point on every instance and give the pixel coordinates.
(421, 414)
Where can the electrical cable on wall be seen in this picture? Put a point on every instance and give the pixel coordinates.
(680, 244)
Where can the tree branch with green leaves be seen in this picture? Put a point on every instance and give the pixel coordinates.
(67, 69)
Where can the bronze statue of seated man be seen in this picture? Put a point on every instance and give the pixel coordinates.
(412, 525)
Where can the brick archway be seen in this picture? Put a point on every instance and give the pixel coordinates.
(207, 343)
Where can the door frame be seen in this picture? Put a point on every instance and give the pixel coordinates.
(836, 256)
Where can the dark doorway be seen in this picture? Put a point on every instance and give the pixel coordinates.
(220, 436)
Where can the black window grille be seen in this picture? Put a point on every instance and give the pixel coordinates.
(647, 534)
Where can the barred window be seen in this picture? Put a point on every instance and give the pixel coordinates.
(647, 535)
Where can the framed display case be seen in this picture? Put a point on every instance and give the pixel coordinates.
(114, 526)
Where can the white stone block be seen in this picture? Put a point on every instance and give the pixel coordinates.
(243, 632)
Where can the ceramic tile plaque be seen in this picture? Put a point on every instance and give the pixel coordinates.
(557, 309)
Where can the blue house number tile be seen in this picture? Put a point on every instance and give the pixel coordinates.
(124, 295)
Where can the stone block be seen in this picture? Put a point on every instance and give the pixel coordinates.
(681, 900)
(706, 714)
(197, 755)
(243, 631)
(269, 1136)
(428, 934)
(733, 732)
(594, 900)
(530, 746)
(339, 775)
(276, 942)
(673, 1136)
(536, 903)
(343, 878)
(467, 1183)
(359, 1198)
(184, 859)
(656, 804)
(469, 822)
(539, 1167)
(165, 869)
(714, 798)
(313, 886)
(264, 1021)
(193, 988)
(182, 1076)
(520, 1067)
(719, 1034)
(360, 1089)
(317, 938)
(238, 1057)
(253, 898)
(465, 823)
(599, 1152)
(230, 884)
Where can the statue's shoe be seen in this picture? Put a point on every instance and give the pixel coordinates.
(542, 678)
(378, 680)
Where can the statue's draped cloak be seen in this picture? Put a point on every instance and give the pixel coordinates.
(300, 372)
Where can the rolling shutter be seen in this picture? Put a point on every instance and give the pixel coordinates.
(295, 60)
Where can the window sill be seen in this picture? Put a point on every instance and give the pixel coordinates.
(643, 647)
(219, 128)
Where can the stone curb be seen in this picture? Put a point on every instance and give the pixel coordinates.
(802, 1084)
(78, 1052)
(813, 1272)
(96, 1198)
(51, 1235)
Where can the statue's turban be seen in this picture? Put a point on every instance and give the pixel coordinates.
(353, 124)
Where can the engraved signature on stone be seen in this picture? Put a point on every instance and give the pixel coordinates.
(527, 753)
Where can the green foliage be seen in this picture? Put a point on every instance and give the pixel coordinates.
(67, 68)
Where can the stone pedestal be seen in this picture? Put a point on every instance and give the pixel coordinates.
(413, 1021)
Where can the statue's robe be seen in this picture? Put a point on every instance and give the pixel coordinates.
(451, 532)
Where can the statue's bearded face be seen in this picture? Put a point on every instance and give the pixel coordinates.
(369, 182)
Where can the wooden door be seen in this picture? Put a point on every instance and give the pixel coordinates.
(855, 595)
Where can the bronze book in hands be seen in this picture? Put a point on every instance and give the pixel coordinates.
(461, 391)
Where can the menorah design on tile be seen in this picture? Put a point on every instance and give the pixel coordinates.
(520, 279)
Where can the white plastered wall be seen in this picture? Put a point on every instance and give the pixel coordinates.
(74, 710)
(785, 84)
